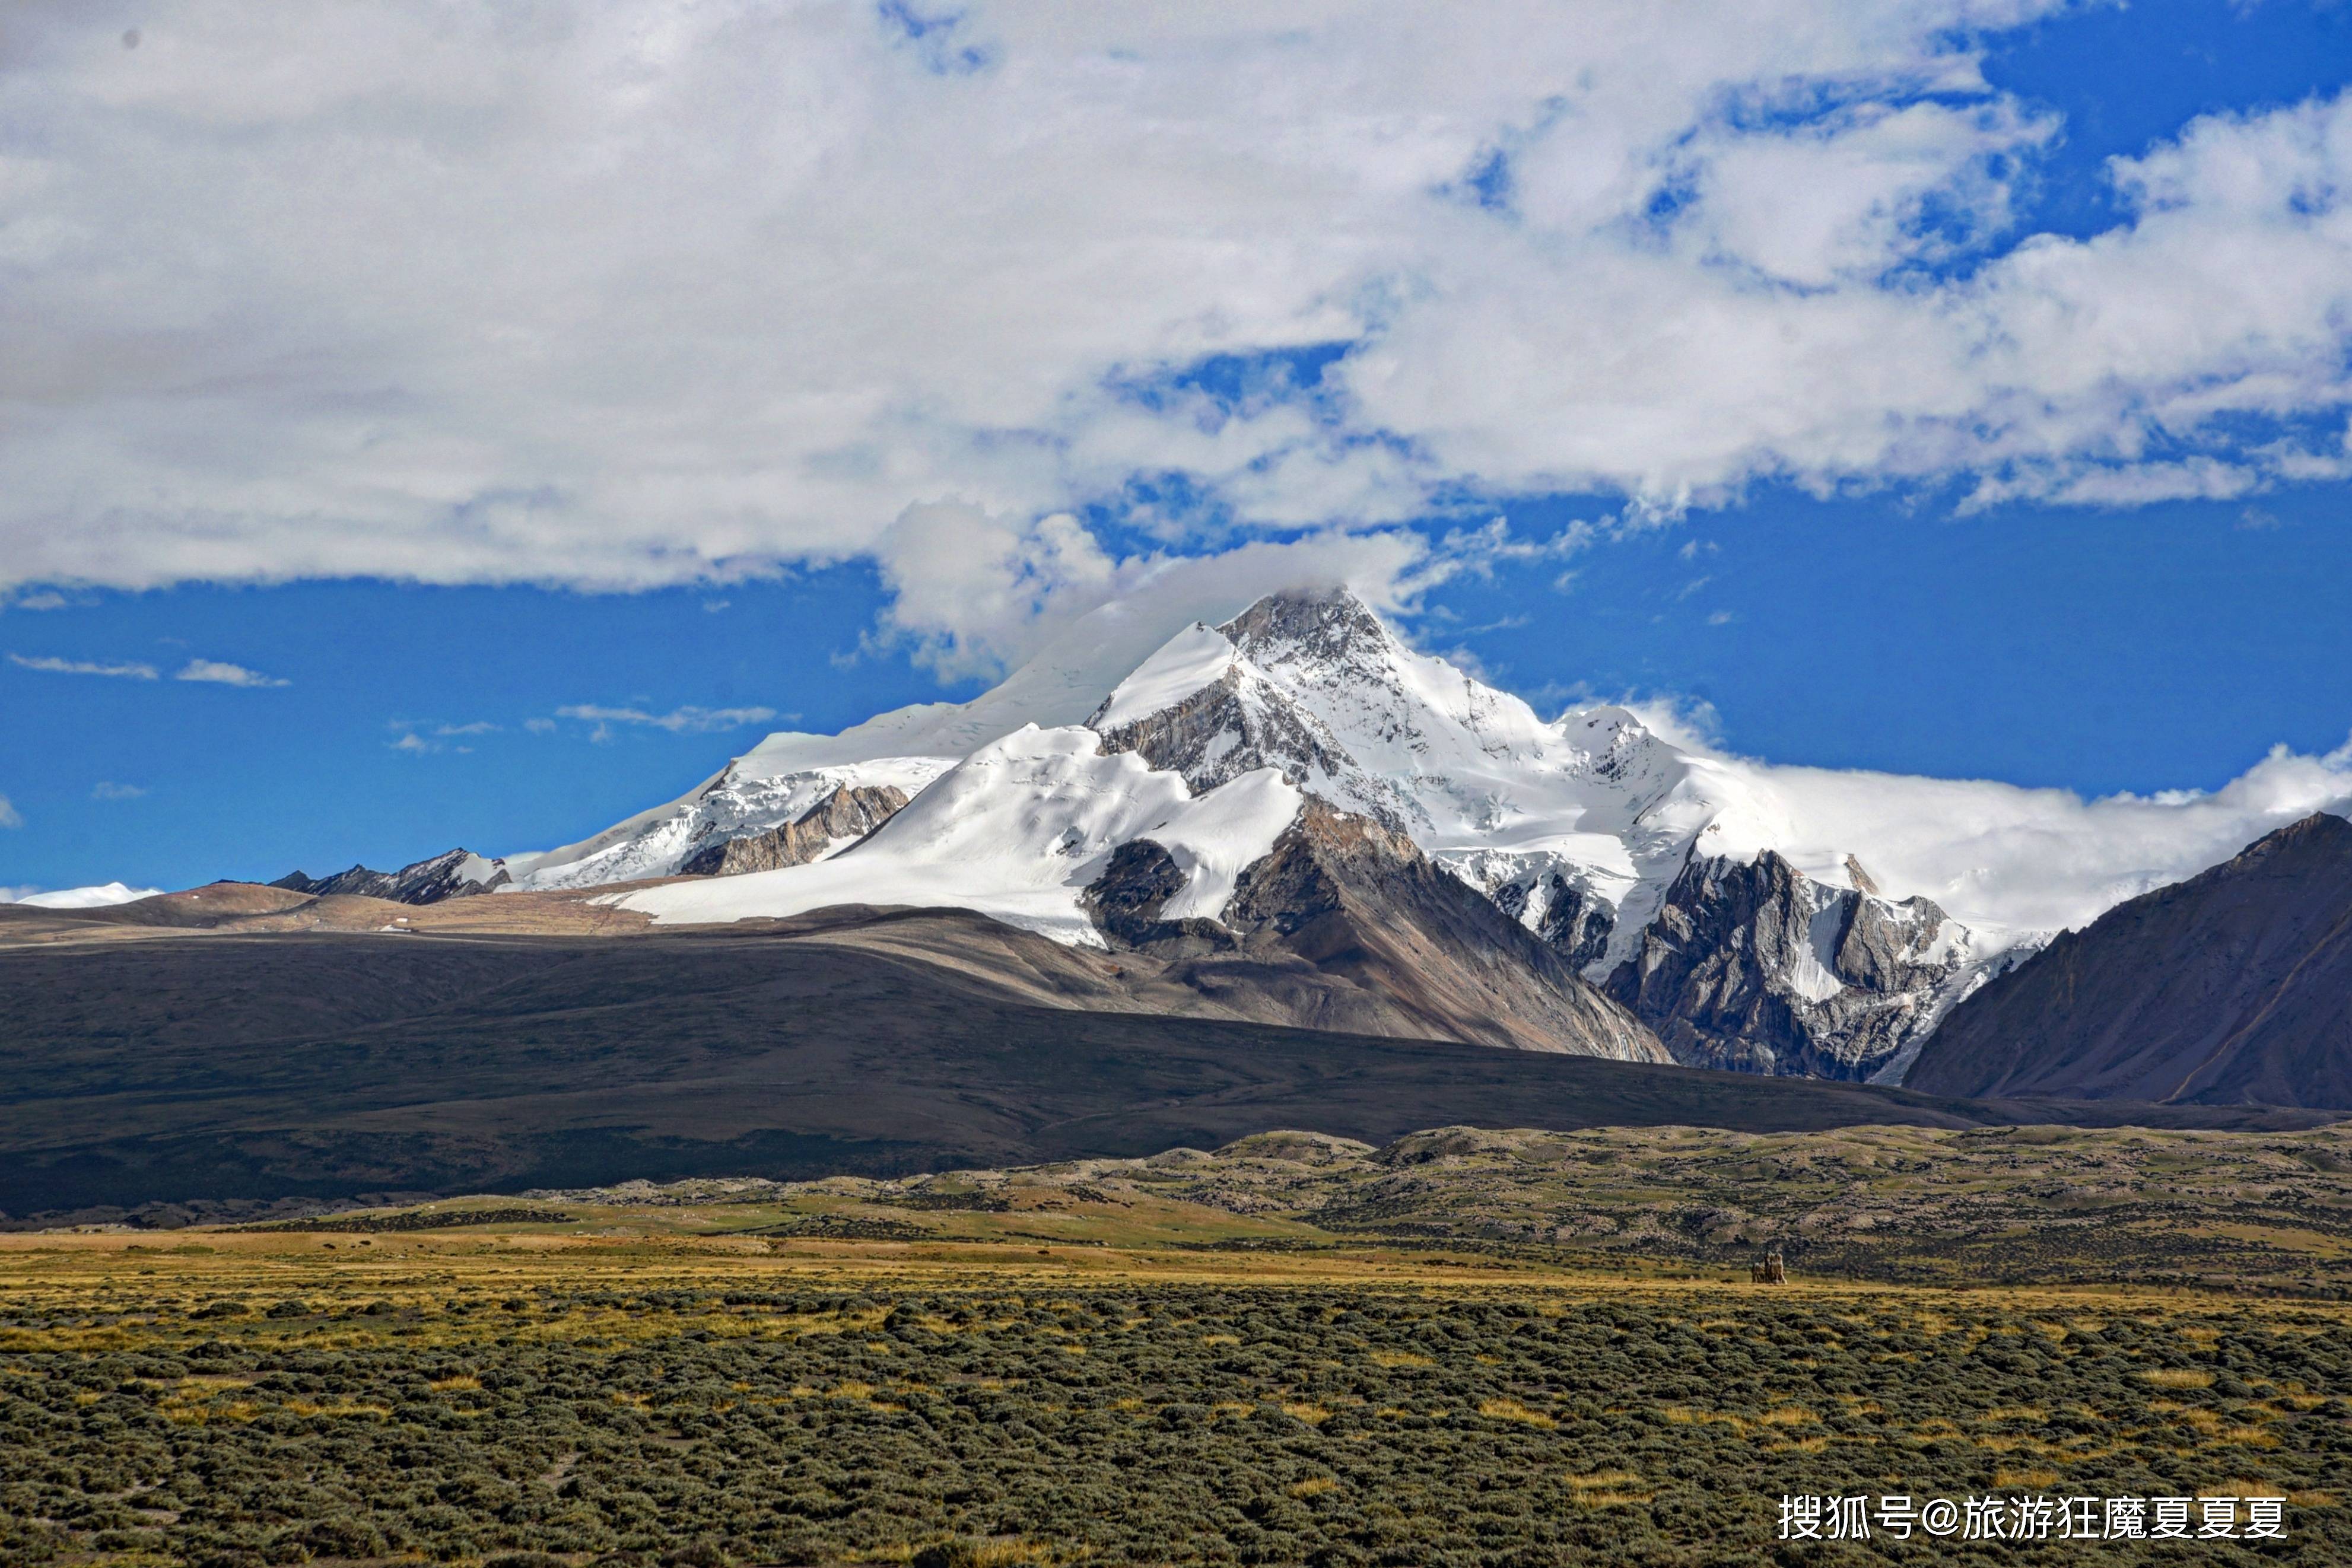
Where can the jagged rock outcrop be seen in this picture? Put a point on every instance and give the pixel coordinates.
(1235, 725)
(1126, 899)
(456, 874)
(1758, 968)
(851, 811)
(1343, 897)
(2234, 986)
(1570, 921)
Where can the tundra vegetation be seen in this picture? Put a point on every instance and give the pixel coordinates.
(1200, 1358)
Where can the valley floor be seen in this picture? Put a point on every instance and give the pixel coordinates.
(1154, 1361)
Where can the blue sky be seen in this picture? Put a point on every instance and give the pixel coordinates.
(723, 474)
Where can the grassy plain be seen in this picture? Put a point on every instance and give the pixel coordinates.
(1191, 1359)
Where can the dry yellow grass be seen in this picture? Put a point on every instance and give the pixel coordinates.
(2179, 1377)
(1608, 1488)
(1512, 1410)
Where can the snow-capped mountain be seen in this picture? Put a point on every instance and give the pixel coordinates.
(1610, 843)
(1018, 831)
(1776, 918)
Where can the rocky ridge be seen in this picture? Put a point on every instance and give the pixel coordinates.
(458, 873)
(833, 824)
(1756, 967)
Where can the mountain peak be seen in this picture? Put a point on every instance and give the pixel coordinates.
(1331, 621)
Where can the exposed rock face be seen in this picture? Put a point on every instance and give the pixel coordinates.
(1758, 968)
(1332, 630)
(1235, 725)
(849, 813)
(456, 874)
(1126, 900)
(2232, 988)
(1571, 922)
(740, 802)
(1342, 896)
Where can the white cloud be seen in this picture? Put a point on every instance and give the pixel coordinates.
(1841, 199)
(108, 790)
(711, 288)
(2037, 859)
(85, 668)
(18, 894)
(967, 584)
(971, 599)
(99, 897)
(413, 735)
(687, 720)
(225, 674)
(8, 817)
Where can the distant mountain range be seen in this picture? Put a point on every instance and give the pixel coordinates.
(1296, 808)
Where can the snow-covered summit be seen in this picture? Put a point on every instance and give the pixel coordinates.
(1622, 801)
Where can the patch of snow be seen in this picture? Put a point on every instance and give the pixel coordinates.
(1814, 975)
(1190, 662)
(103, 897)
(479, 869)
(1983, 955)
(1017, 831)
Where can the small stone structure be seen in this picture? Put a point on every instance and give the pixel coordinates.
(1768, 1269)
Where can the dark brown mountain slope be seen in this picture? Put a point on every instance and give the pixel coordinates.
(221, 1068)
(2232, 988)
(1346, 931)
